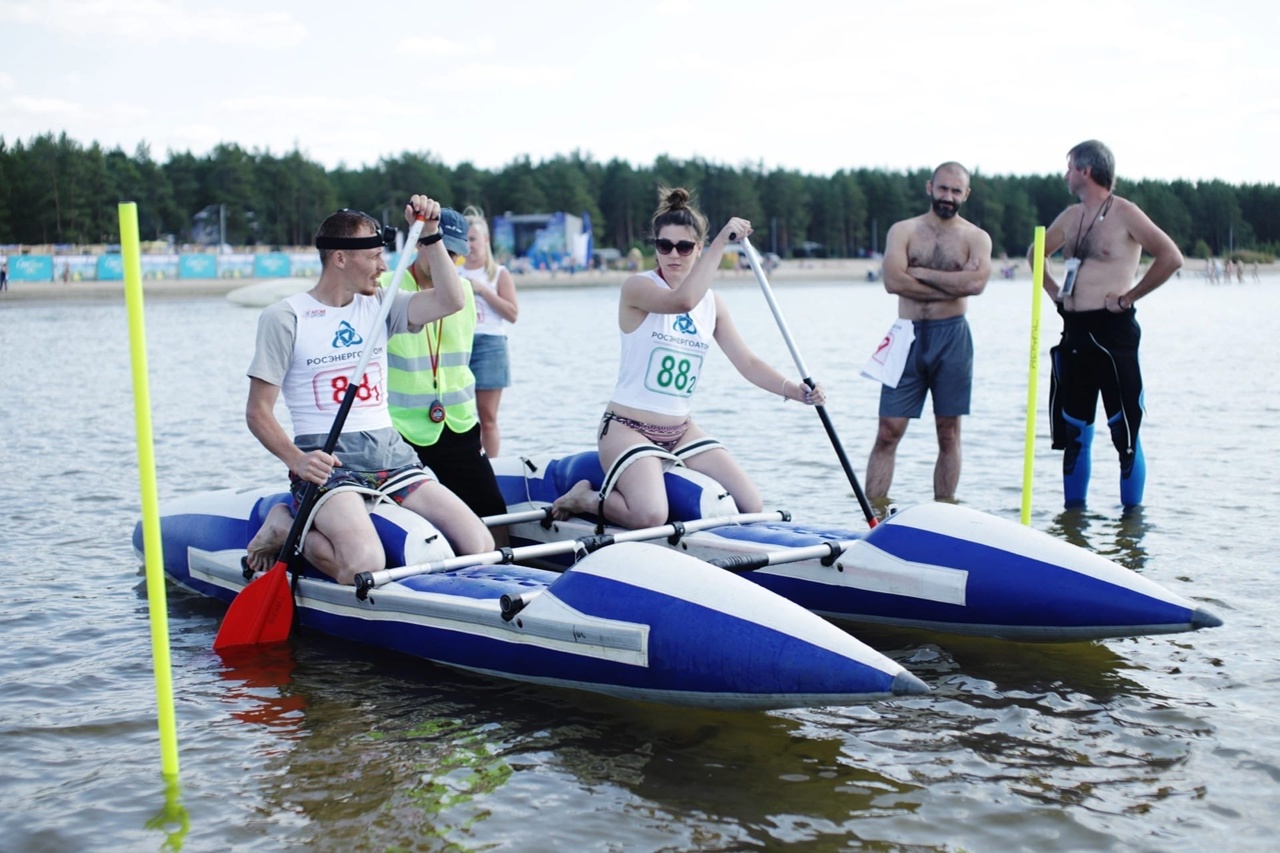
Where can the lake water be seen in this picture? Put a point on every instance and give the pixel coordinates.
(1156, 743)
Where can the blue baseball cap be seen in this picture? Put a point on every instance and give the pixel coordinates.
(454, 227)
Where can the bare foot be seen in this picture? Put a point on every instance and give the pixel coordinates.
(267, 542)
(581, 498)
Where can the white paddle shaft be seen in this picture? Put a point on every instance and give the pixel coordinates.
(373, 580)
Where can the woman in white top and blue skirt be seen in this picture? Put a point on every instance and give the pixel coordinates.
(496, 306)
(669, 318)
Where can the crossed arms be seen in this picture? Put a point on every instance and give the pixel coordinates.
(924, 284)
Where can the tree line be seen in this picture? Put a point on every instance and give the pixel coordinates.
(54, 190)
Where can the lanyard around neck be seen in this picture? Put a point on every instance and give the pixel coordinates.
(1083, 238)
(434, 352)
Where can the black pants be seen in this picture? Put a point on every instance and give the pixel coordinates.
(460, 465)
(1098, 355)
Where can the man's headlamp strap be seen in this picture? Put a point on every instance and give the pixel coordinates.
(369, 241)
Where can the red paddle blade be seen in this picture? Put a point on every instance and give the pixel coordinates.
(261, 614)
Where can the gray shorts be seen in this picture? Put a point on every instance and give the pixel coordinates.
(940, 363)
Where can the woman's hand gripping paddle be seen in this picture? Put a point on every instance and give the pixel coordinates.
(263, 611)
(753, 258)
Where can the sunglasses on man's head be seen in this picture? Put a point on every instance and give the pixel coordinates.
(684, 247)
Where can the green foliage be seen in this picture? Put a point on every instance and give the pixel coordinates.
(55, 190)
(1249, 256)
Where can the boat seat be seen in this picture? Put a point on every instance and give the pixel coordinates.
(481, 582)
(783, 534)
(690, 494)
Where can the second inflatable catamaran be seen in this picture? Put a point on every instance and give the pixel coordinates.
(935, 566)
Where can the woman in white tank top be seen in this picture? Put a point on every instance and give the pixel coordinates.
(496, 306)
(668, 318)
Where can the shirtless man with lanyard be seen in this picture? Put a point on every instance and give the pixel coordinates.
(932, 262)
(1102, 238)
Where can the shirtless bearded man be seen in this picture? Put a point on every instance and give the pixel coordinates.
(932, 263)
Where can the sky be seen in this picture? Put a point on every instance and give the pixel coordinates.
(1178, 89)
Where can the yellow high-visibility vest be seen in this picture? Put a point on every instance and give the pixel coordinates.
(411, 385)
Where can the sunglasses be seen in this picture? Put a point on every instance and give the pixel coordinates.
(684, 247)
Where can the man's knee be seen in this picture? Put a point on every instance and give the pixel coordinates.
(948, 432)
(890, 432)
(476, 539)
(354, 555)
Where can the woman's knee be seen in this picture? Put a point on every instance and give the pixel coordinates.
(648, 516)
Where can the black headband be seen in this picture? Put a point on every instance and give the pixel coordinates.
(370, 241)
(381, 236)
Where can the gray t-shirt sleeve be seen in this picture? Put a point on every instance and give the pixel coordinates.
(273, 351)
(278, 329)
(398, 319)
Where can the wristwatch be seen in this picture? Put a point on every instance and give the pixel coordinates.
(431, 238)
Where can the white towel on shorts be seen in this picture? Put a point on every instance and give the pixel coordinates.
(887, 362)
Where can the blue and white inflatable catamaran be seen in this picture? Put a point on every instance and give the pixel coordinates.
(716, 608)
(627, 619)
(937, 566)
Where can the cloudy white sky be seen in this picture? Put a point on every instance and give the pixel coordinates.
(1179, 89)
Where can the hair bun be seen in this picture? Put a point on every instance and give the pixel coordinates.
(674, 199)
(675, 207)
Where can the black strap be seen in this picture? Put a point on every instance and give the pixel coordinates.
(369, 241)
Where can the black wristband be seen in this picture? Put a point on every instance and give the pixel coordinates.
(431, 238)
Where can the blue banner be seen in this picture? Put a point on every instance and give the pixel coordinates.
(31, 268)
(110, 268)
(504, 238)
(274, 265)
(76, 267)
(304, 264)
(160, 266)
(168, 266)
(197, 266)
(235, 266)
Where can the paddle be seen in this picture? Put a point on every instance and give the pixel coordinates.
(503, 520)
(367, 581)
(262, 612)
(827, 552)
(754, 259)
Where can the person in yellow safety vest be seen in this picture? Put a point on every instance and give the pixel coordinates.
(431, 391)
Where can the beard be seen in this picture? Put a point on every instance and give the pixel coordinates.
(944, 208)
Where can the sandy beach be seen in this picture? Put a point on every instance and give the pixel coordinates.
(850, 270)
(26, 291)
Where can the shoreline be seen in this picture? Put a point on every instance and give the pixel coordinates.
(844, 270)
(854, 270)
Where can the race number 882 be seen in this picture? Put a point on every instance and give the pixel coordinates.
(672, 372)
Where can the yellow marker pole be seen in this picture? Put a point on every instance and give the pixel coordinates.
(1037, 287)
(156, 600)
